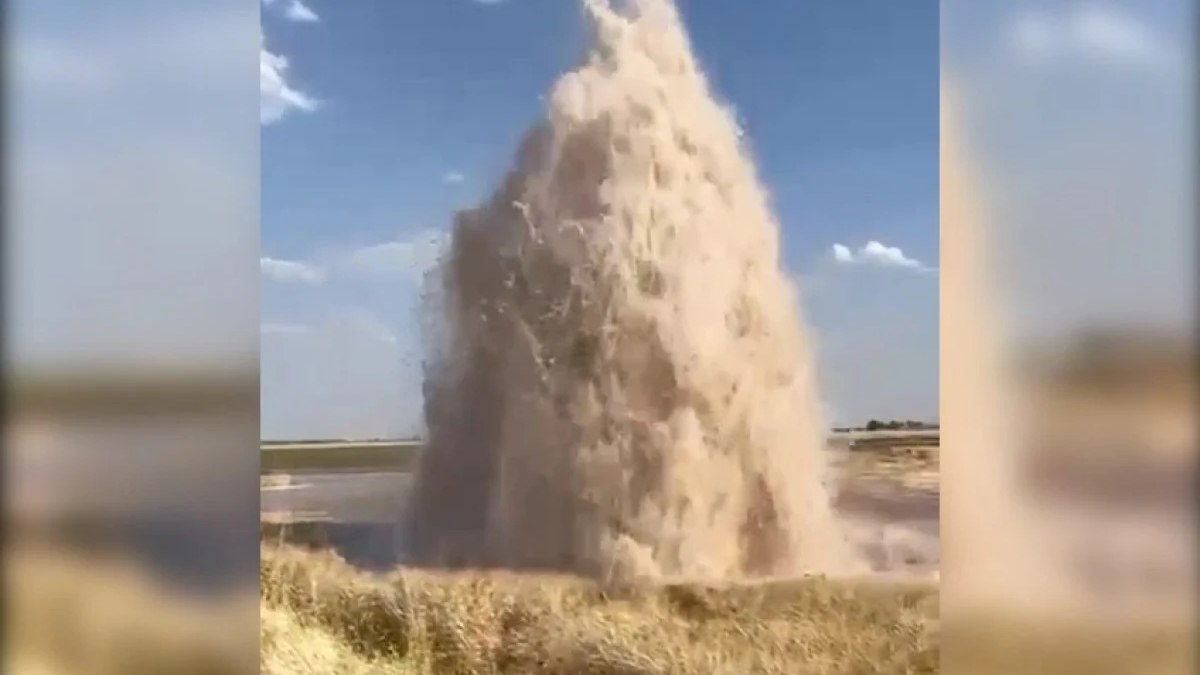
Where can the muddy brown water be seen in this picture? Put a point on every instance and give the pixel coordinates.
(358, 515)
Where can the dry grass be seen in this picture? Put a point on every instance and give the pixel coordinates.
(322, 616)
(997, 645)
(76, 616)
(66, 612)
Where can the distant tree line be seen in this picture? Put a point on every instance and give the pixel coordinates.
(890, 425)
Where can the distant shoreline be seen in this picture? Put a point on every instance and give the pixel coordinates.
(338, 456)
(837, 432)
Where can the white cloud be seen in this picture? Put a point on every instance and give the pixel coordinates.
(876, 253)
(453, 177)
(298, 11)
(291, 271)
(490, 2)
(405, 257)
(1089, 32)
(410, 256)
(283, 329)
(278, 97)
(886, 255)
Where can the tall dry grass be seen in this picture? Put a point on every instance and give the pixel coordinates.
(322, 616)
(66, 612)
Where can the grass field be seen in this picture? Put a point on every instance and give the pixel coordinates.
(318, 616)
(322, 616)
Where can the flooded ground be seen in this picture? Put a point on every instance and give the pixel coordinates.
(890, 508)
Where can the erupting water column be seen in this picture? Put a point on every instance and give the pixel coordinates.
(624, 385)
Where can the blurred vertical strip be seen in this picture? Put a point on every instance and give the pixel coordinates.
(1068, 336)
(131, 334)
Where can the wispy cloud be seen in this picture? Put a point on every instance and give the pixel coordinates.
(490, 2)
(291, 271)
(453, 177)
(410, 256)
(278, 97)
(1090, 32)
(878, 254)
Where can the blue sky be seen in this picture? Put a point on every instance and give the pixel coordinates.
(380, 118)
(142, 113)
